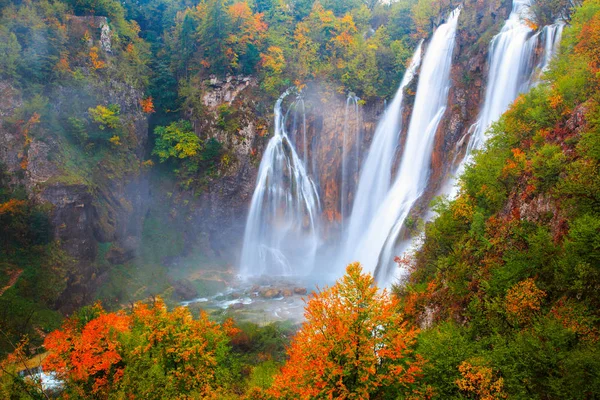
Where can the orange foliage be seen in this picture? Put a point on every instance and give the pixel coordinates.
(147, 105)
(12, 206)
(555, 101)
(589, 42)
(62, 65)
(95, 59)
(90, 356)
(523, 300)
(273, 59)
(101, 356)
(480, 381)
(354, 344)
(248, 27)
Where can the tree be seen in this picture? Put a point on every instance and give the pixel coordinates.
(176, 141)
(106, 117)
(354, 344)
(213, 34)
(88, 356)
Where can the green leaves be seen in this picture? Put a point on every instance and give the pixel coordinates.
(176, 141)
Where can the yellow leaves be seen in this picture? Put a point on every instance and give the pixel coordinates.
(463, 208)
(274, 60)
(115, 140)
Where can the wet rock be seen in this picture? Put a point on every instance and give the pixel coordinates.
(300, 291)
(184, 289)
(236, 306)
(270, 293)
(287, 293)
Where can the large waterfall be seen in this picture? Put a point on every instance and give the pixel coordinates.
(377, 243)
(281, 235)
(510, 73)
(282, 231)
(376, 176)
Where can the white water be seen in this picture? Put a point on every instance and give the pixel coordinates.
(378, 241)
(375, 178)
(281, 235)
(510, 73)
(552, 35)
(350, 155)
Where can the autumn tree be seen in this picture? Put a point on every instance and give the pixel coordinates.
(87, 356)
(247, 34)
(353, 345)
(169, 354)
(176, 141)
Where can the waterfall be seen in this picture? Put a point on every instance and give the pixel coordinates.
(376, 175)
(350, 154)
(281, 235)
(552, 35)
(378, 241)
(299, 107)
(510, 73)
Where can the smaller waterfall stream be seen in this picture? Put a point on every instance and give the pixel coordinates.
(281, 235)
(378, 241)
(376, 175)
(350, 155)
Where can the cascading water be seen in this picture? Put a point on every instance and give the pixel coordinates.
(376, 175)
(299, 109)
(510, 72)
(552, 35)
(281, 235)
(350, 154)
(375, 246)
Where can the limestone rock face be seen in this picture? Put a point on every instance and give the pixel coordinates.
(226, 90)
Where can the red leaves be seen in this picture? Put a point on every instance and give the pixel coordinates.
(91, 355)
